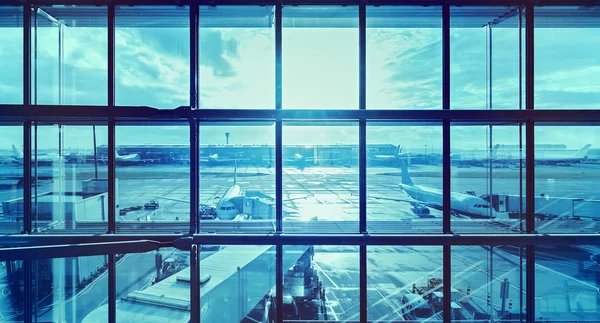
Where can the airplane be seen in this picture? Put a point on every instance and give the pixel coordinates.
(428, 197)
(458, 159)
(399, 154)
(130, 158)
(227, 206)
(42, 159)
(552, 159)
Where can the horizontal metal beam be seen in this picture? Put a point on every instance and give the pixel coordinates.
(142, 113)
(310, 239)
(310, 2)
(77, 250)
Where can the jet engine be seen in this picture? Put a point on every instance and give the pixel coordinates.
(420, 210)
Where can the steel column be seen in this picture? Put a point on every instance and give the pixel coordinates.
(530, 162)
(362, 126)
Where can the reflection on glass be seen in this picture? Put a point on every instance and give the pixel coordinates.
(11, 179)
(68, 289)
(488, 178)
(566, 61)
(320, 283)
(152, 49)
(153, 181)
(70, 187)
(11, 55)
(11, 286)
(320, 50)
(477, 82)
(488, 283)
(566, 179)
(571, 279)
(70, 63)
(404, 177)
(237, 57)
(404, 60)
(320, 177)
(404, 283)
(237, 177)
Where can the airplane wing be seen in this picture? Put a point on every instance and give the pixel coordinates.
(395, 200)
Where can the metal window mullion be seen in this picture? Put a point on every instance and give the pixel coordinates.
(194, 176)
(278, 164)
(194, 125)
(112, 194)
(446, 270)
(27, 265)
(529, 163)
(362, 158)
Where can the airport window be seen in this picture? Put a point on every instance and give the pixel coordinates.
(158, 152)
(11, 56)
(404, 57)
(566, 175)
(69, 178)
(485, 57)
(565, 62)
(404, 283)
(12, 178)
(70, 65)
(237, 57)
(490, 278)
(152, 56)
(397, 153)
(488, 167)
(320, 68)
(282, 162)
(320, 177)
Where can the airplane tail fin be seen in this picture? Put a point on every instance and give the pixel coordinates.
(494, 151)
(17, 152)
(399, 150)
(582, 153)
(405, 176)
(116, 154)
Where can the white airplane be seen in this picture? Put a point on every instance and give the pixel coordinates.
(226, 208)
(131, 158)
(460, 203)
(457, 158)
(41, 158)
(551, 159)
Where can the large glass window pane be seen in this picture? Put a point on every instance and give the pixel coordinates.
(488, 283)
(237, 57)
(70, 63)
(11, 282)
(152, 46)
(484, 67)
(153, 176)
(404, 177)
(237, 180)
(320, 177)
(404, 57)
(320, 57)
(11, 179)
(488, 178)
(68, 289)
(567, 281)
(404, 283)
(567, 68)
(320, 283)
(11, 55)
(566, 178)
(70, 186)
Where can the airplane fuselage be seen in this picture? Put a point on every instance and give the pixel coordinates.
(226, 209)
(461, 203)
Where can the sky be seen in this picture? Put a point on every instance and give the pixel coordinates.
(320, 71)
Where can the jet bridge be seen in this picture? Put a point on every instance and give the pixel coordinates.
(240, 277)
